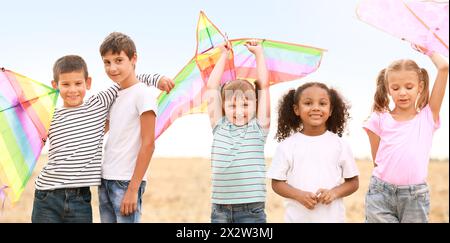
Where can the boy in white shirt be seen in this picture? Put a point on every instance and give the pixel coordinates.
(131, 141)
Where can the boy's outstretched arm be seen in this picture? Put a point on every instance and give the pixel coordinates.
(262, 83)
(213, 86)
(129, 201)
(438, 91)
(163, 83)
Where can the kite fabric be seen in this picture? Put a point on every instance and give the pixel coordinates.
(285, 62)
(26, 110)
(424, 23)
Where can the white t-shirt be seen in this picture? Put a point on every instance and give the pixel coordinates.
(309, 163)
(124, 141)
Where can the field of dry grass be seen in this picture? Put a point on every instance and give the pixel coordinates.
(178, 190)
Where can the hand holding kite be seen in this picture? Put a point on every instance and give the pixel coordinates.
(285, 62)
(423, 23)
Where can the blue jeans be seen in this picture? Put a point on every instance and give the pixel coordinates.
(111, 193)
(388, 203)
(66, 205)
(238, 213)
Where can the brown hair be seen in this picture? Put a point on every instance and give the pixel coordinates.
(289, 122)
(68, 64)
(117, 42)
(381, 100)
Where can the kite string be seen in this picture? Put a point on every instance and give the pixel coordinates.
(230, 61)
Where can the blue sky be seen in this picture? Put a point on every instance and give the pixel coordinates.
(35, 33)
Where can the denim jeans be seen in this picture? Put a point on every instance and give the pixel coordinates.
(66, 205)
(388, 203)
(238, 213)
(111, 193)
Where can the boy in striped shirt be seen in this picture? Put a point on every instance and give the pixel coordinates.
(75, 144)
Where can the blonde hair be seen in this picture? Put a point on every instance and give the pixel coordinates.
(238, 85)
(381, 100)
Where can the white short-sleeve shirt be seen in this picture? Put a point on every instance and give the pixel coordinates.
(124, 140)
(309, 163)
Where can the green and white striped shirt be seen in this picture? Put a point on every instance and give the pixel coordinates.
(238, 165)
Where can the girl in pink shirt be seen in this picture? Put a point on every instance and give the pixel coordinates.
(400, 140)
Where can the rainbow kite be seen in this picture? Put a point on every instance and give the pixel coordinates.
(424, 23)
(26, 109)
(285, 62)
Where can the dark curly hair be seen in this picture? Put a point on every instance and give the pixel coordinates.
(289, 122)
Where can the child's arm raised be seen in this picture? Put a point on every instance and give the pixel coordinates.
(213, 86)
(438, 91)
(262, 84)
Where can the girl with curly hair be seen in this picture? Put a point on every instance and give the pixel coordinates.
(313, 167)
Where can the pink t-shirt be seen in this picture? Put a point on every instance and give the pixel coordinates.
(403, 154)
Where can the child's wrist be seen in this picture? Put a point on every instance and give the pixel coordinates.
(258, 53)
(429, 53)
(133, 186)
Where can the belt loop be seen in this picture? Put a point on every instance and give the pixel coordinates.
(385, 186)
(412, 190)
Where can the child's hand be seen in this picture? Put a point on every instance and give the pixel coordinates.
(224, 47)
(166, 84)
(307, 199)
(422, 49)
(129, 202)
(254, 46)
(325, 196)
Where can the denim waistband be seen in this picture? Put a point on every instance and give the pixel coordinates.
(76, 190)
(241, 206)
(411, 189)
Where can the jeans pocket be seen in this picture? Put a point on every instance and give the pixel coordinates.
(122, 184)
(423, 195)
(41, 195)
(374, 189)
(86, 197)
(257, 208)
